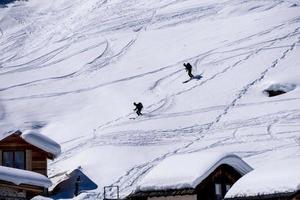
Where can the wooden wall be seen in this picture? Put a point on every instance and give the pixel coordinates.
(223, 174)
(12, 191)
(36, 159)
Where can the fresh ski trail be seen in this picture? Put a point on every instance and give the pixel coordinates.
(136, 173)
(136, 21)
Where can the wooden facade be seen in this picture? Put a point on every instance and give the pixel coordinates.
(214, 187)
(10, 191)
(35, 160)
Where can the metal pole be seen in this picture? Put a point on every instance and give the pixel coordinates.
(118, 195)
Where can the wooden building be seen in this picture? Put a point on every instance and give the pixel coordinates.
(196, 176)
(21, 184)
(278, 180)
(25, 155)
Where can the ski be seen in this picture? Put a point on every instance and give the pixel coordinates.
(197, 77)
(187, 80)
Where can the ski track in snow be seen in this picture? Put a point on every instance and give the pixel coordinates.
(153, 19)
(132, 176)
(123, 51)
(137, 172)
(127, 181)
(2, 111)
(165, 100)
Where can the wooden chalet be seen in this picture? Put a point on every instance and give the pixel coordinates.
(19, 155)
(212, 181)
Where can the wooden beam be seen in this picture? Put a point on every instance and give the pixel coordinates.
(28, 160)
(23, 187)
(0, 157)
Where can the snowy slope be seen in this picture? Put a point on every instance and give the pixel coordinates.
(72, 69)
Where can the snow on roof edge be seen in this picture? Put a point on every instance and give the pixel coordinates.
(6, 134)
(200, 165)
(243, 168)
(42, 142)
(19, 176)
(273, 178)
(36, 139)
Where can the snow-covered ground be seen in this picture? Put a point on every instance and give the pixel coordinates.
(72, 69)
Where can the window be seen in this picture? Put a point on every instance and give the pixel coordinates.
(227, 187)
(8, 159)
(221, 189)
(218, 191)
(15, 159)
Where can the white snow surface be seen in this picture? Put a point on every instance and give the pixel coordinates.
(19, 176)
(189, 170)
(71, 70)
(42, 142)
(272, 178)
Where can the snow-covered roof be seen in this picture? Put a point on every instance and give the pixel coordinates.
(19, 176)
(42, 142)
(189, 170)
(273, 178)
(38, 140)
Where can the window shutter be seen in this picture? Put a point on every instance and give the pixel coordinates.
(29, 160)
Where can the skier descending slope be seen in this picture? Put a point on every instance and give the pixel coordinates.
(188, 68)
(138, 108)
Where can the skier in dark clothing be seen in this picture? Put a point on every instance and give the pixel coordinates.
(188, 68)
(138, 108)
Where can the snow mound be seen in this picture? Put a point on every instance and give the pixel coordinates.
(41, 198)
(278, 89)
(42, 142)
(275, 177)
(188, 170)
(19, 176)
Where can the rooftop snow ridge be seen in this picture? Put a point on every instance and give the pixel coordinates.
(42, 142)
(188, 170)
(19, 176)
(272, 178)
